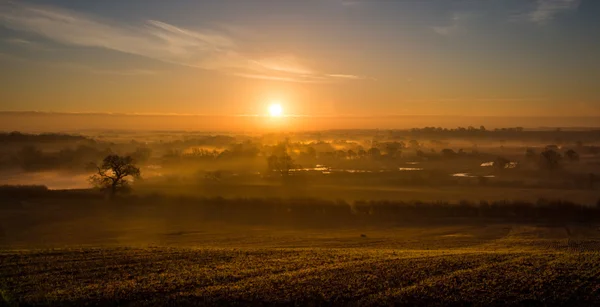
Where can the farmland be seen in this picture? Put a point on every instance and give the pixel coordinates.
(198, 276)
(61, 254)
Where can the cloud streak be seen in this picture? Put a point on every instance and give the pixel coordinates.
(203, 49)
(546, 10)
(457, 23)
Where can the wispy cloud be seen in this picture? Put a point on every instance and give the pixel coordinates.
(351, 77)
(456, 23)
(204, 49)
(25, 43)
(545, 10)
(19, 41)
(123, 72)
(78, 67)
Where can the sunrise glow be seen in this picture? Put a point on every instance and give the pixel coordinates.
(275, 110)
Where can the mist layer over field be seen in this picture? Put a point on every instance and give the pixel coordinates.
(426, 164)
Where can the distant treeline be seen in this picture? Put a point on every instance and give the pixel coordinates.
(315, 211)
(18, 137)
(553, 136)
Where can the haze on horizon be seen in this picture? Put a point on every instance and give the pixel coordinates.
(325, 62)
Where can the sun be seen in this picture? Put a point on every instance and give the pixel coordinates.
(275, 110)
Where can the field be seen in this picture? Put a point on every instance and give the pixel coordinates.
(351, 192)
(158, 276)
(65, 254)
(314, 276)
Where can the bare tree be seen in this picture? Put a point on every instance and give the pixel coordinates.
(112, 175)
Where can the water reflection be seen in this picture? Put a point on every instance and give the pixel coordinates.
(468, 175)
(508, 165)
(410, 168)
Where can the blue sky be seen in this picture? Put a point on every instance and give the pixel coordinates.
(333, 57)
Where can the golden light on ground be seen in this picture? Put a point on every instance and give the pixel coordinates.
(275, 110)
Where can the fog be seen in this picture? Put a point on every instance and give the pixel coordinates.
(415, 164)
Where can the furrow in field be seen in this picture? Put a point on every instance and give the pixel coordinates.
(182, 273)
(339, 284)
(523, 280)
(581, 279)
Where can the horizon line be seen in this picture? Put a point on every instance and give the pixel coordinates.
(284, 116)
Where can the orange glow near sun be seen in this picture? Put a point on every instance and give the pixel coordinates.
(275, 110)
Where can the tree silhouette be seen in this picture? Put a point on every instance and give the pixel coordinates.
(113, 173)
(351, 154)
(374, 152)
(572, 155)
(550, 159)
(341, 155)
(361, 153)
(530, 154)
(310, 153)
(32, 158)
(501, 163)
(392, 149)
(282, 164)
(448, 153)
(142, 154)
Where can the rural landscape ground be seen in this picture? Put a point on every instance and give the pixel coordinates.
(421, 217)
(111, 254)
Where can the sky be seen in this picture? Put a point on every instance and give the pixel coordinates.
(317, 58)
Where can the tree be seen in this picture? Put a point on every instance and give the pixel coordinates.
(392, 148)
(32, 158)
(374, 152)
(448, 153)
(281, 164)
(351, 154)
(361, 153)
(550, 159)
(310, 153)
(572, 155)
(113, 174)
(530, 154)
(142, 154)
(501, 163)
(414, 144)
(341, 155)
